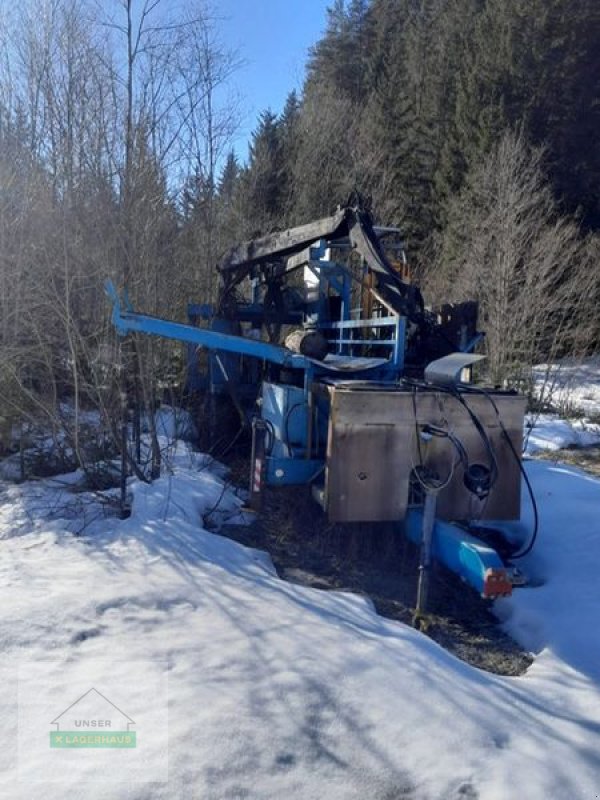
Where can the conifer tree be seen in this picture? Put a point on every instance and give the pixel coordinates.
(262, 179)
(289, 130)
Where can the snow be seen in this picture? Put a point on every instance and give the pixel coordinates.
(571, 384)
(572, 387)
(173, 423)
(551, 432)
(244, 686)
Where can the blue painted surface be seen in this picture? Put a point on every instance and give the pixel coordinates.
(456, 549)
(128, 321)
(399, 345)
(292, 471)
(472, 344)
(286, 409)
(200, 311)
(223, 367)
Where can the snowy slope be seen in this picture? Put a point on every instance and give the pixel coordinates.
(570, 384)
(280, 691)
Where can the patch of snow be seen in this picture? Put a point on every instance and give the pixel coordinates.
(551, 432)
(277, 690)
(570, 384)
(173, 423)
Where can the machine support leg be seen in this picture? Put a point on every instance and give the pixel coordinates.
(257, 464)
(426, 556)
(124, 510)
(232, 391)
(309, 420)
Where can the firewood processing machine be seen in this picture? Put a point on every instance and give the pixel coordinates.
(351, 385)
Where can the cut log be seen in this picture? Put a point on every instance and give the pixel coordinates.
(311, 344)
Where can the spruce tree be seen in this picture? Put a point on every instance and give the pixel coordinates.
(262, 178)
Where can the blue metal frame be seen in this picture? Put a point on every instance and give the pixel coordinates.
(479, 565)
(200, 311)
(292, 471)
(397, 343)
(126, 321)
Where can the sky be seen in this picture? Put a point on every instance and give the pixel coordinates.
(272, 37)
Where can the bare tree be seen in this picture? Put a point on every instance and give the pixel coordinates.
(104, 112)
(507, 246)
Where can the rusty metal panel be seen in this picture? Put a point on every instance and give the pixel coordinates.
(504, 500)
(372, 449)
(358, 489)
(368, 460)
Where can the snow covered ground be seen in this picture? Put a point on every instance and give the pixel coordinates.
(573, 387)
(551, 432)
(570, 384)
(244, 686)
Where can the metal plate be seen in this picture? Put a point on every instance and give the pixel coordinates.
(372, 449)
(446, 371)
(358, 489)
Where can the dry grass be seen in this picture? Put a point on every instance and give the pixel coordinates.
(586, 458)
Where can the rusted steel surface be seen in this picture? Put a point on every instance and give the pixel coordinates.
(283, 243)
(373, 447)
(352, 222)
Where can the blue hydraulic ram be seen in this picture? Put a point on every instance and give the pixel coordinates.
(476, 563)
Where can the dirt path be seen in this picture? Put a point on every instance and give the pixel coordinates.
(376, 561)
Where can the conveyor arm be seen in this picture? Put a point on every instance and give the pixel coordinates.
(128, 320)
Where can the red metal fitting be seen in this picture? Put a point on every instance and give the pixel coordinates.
(496, 583)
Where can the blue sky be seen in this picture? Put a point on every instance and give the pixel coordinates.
(273, 37)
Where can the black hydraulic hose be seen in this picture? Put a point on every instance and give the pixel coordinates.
(478, 390)
(484, 437)
(286, 422)
(536, 519)
(474, 419)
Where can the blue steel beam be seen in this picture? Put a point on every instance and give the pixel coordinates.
(127, 321)
(475, 562)
(292, 471)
